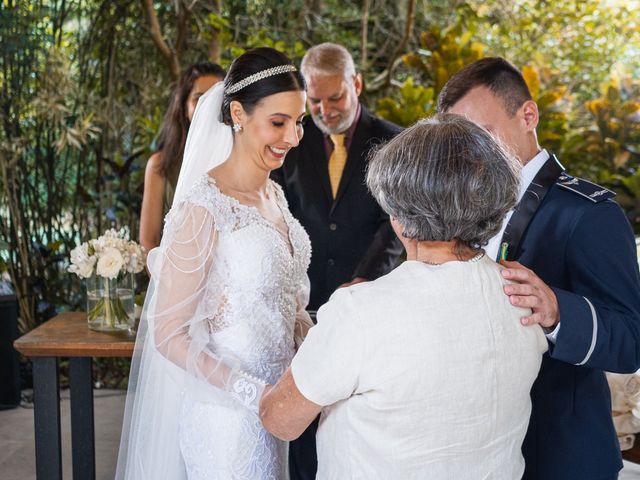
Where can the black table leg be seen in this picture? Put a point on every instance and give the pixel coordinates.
(82, 422)
(46, 414)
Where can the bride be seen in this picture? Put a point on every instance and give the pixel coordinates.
(228, 289)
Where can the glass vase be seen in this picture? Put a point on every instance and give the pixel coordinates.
(110, 303)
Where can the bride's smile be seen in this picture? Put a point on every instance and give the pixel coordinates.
(270, 130)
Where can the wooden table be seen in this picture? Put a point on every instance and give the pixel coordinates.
(67, 335)
(633, 454)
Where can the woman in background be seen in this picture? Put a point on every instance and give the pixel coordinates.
(163, 167)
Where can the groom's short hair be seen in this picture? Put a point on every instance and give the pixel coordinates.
(328, 59)
(497, 74)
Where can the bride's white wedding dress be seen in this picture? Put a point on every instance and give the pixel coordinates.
(229, 288)
(258, 277)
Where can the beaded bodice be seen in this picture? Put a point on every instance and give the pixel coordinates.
(254, 281)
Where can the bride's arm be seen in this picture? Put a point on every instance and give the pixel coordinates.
(183, 310)
(303, 320)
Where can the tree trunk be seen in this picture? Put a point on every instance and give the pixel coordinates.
(155, 31)
(215, 49)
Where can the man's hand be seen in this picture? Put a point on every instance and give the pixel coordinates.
(353, 282)
(530, 291)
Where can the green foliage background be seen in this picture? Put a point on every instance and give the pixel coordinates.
(83, 88)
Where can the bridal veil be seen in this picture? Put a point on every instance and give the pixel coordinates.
(172, 354)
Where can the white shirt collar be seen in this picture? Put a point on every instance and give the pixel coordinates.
(527, 174)
(530, 170)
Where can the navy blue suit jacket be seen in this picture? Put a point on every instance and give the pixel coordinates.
(580, 243)
(350, 235)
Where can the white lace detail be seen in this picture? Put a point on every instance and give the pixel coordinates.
(250, 306)
(246, 391)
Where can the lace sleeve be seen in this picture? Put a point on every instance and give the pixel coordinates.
(303, 320)
(184, 309)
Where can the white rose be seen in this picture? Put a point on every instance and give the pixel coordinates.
(81, 263)
(79, 253)
(97, 245)
(110, 263)
(86, 269)
(134, 257)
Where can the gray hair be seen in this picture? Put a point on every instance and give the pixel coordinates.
(445, 178)
(327, 59)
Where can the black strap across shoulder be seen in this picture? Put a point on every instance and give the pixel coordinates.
(526, 209)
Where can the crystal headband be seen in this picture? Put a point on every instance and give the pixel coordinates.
(269, 72)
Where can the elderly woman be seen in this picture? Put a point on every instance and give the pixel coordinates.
(425, 372)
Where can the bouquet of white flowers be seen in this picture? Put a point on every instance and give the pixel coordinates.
(103, 262)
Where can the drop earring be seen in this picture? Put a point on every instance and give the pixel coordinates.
(237, 127)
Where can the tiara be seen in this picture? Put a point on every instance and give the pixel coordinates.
(269, 72)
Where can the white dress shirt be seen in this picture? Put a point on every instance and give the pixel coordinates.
(528, 173)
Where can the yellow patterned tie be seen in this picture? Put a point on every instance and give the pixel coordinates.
(336, 161)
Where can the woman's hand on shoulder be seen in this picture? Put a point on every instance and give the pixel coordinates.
(529, 291)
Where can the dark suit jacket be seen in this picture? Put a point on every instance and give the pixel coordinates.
(580, 243)
(351, 236)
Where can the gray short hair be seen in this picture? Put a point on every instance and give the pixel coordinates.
(327, 59)
(445, 178)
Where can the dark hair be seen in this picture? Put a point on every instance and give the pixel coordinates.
(495, 73)
(445, 178)
(254, 61)
(173, 134)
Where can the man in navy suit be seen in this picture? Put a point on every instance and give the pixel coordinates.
(323, 180)
(572, 252)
